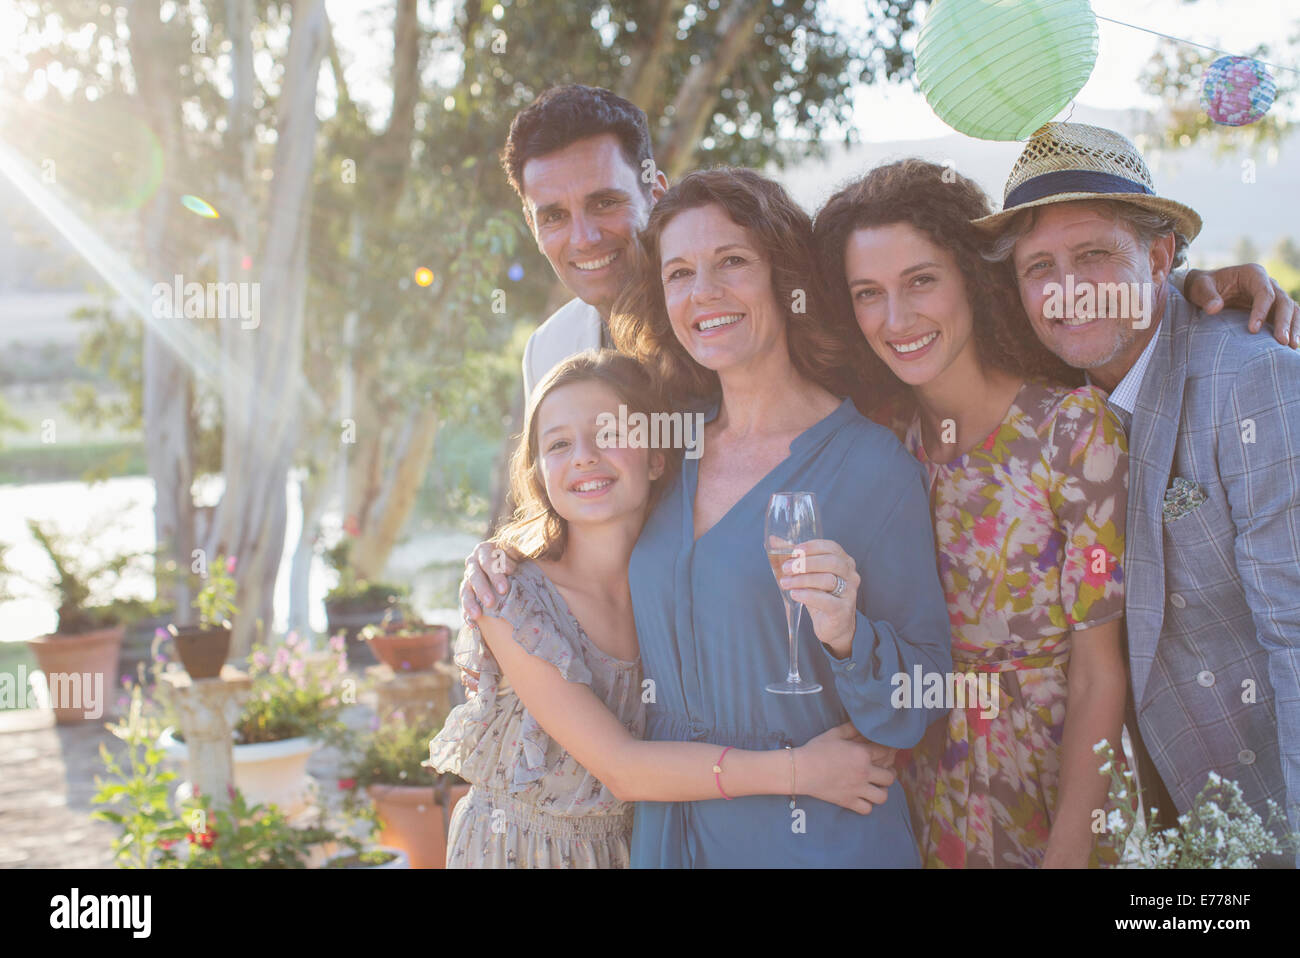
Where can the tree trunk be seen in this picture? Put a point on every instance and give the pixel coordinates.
(388, 514)
(693, 105)
(167, 382)
(261, 423)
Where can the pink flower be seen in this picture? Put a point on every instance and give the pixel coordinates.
(281, 660)
(296, 669)
(260, 659)
(230, 564)
(351, 526)
(160, 633)
(986, 530)
(346, 783)
(338, 643)
(292, 640)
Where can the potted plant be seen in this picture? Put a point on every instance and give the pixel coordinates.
(411, 802)
(354, 603)
(294, 704)
(80, 657)
(191, 833)
(203, 646)
(377, 857)
(405, 644)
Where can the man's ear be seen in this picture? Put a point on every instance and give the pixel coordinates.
(659, 187)
(1162, 257)
(657, 463)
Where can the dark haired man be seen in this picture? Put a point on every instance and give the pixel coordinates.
(579, 158)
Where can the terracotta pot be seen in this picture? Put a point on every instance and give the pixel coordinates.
(411, 818)
(268, 773)
(74, 667)
(202, 651)
(412, 653)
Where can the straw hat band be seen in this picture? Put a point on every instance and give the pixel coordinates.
(1071, 162)
(1072, 181)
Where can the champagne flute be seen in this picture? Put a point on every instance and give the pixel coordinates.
(791, 519)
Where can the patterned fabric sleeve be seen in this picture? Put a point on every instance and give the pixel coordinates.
(1089, 496)
(542, 628)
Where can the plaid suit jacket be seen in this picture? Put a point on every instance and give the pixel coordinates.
(1213, 597)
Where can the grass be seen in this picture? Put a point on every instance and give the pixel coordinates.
(59, 462)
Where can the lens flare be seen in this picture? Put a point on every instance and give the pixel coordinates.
(515, 272)
(423, 276)
(196, 205)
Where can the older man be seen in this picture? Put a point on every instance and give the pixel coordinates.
(1213, 413)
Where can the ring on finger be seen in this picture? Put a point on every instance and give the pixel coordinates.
(839, 587)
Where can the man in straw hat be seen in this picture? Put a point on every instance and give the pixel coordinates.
(1213, 416)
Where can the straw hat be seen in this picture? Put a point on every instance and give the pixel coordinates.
(1075, 161)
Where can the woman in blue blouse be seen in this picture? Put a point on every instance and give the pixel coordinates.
(728, 312)
(729, 315)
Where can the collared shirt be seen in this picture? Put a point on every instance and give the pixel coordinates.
(1123, 398)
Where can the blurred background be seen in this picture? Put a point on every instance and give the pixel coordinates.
(341, 156)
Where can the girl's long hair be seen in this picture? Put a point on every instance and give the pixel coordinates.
(536, 530)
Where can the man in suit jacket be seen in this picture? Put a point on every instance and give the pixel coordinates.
(1212, 563)
(579, 158)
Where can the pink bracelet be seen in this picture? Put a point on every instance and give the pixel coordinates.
(717, 772)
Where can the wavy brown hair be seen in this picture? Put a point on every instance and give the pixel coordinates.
(819, 345)
(536, 530)
(941, 204)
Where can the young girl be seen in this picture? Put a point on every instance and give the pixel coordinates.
(551, 742)
(1028, 491)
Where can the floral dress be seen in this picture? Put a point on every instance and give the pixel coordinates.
(1030, 532)
(531, 805)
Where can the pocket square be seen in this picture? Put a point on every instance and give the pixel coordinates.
(1182, 497)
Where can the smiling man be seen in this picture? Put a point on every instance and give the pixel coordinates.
(1212, 566)
(579, 158)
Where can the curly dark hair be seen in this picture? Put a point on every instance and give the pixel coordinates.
(941, 203)
(820, 348)
(572, 112)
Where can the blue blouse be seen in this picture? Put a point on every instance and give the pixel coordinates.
(711, 625)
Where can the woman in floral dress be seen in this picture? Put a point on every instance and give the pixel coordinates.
(1028, 489)
(552, 741)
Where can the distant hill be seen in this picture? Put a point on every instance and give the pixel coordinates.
(1266, 210)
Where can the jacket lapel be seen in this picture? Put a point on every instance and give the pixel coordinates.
(1152, 442)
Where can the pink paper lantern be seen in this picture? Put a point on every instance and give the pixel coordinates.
(1237, 91)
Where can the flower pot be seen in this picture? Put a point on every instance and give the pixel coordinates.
(202, 651)
(268, 773)
(343, 616)
(399, 859)
(412, 820)
(81, 672)
(412, 653)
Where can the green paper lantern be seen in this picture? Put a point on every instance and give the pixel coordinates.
(1000, 69)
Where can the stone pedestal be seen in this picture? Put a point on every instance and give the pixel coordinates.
(416, 694)
(208, 710)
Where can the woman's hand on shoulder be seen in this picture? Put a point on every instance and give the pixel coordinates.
(842, 767)
(813, 575)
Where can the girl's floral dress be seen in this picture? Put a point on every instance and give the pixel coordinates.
(1030, 532)
(531, 805)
